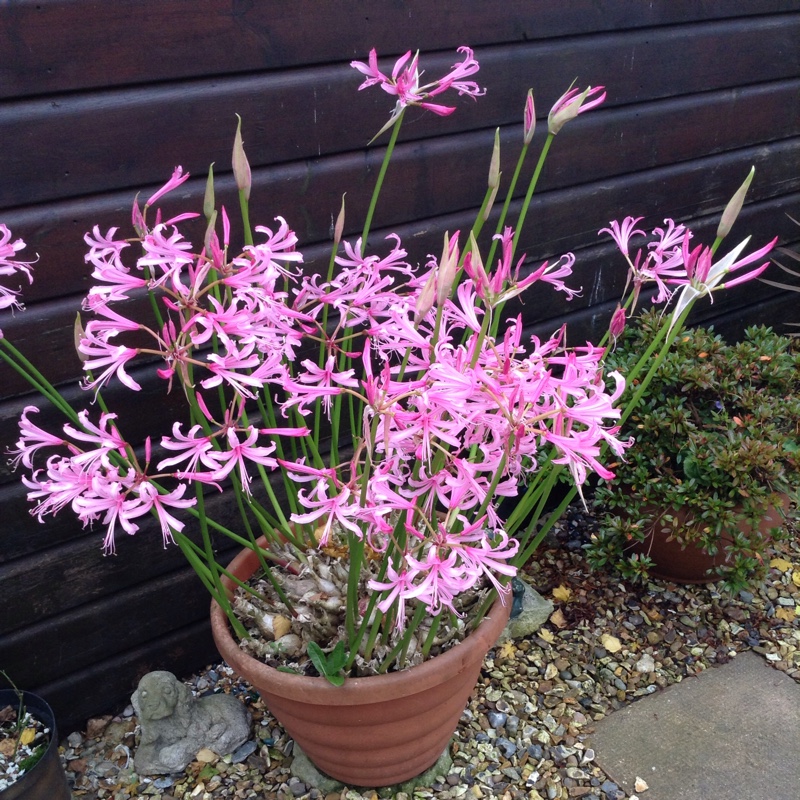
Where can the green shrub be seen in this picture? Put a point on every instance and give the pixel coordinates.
(716, 436)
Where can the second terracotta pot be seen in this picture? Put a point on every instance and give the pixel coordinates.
(690, 563)
(373, 731)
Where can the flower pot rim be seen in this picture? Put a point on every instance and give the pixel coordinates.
(318, 689)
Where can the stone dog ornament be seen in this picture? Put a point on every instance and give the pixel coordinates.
(175, 725)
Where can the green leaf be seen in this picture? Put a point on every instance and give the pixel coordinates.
(337, 658)
(330, 666)
(207, 773)
(318, 658)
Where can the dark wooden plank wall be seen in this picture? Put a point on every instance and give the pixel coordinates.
(101, 100)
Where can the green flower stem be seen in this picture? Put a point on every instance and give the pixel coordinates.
(379, 183)
(523, 212)
(208, 547)
(208, 571)
(429, 639)
(381, 621)
(554, 516)
(498, 473)
(509, 196)
(356, 550)
(401, 648)
(485, 323)
(375, 629)
(244, 206)
(536, 494)
(268, 416)
(28, 371)
(666, 335)
(477, 226)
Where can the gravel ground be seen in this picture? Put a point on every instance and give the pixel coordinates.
(607, 644)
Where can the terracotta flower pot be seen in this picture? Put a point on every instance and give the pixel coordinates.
(690, 563)
(47, 779)
(373, 731)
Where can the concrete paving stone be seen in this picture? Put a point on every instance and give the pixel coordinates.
(731, 733)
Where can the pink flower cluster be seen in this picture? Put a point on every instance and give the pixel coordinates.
(667, 259)
(451, 418)
(9, 265)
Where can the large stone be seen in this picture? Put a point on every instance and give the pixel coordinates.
(731, 733)
(533, 611)
(176, 725)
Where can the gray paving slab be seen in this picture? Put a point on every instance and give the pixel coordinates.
(731, 733)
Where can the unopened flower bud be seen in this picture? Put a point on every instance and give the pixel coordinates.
(426, 298)
(137, 219)
(617, 325)
(734, 206)
(209, 235)
(208, 198)
(241, 167)
(529, 121)
(494, 164)
(338, 229)
(77, 336)
(473, 266)
(448, 265)
(570, 104)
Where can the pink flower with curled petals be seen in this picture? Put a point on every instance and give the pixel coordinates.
(32, 438)
(195, 448)
(341, 509)
(9, 265)
(404, 82)
(398, 586)
(622, 232)
(159, 503)
(239, 452)
(104, 436)
(110, 502)
(178, 177)
(114, 358)
(8, 250)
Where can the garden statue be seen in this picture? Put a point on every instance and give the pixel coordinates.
(175, 725)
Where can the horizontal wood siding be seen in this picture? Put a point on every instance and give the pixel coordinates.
(100, 101)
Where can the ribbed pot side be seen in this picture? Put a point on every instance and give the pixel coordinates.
(373, 731)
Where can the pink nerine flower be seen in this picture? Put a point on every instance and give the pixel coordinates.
(703, 275)
(404, 82)
(9, 266)
(659, 262)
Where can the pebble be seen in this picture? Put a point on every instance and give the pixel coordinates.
(243, 751)
(646, 663)
(524, 733)
(496, 719)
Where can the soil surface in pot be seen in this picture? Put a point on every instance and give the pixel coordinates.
(317, 590)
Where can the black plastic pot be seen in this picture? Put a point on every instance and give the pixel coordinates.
(47, 780)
